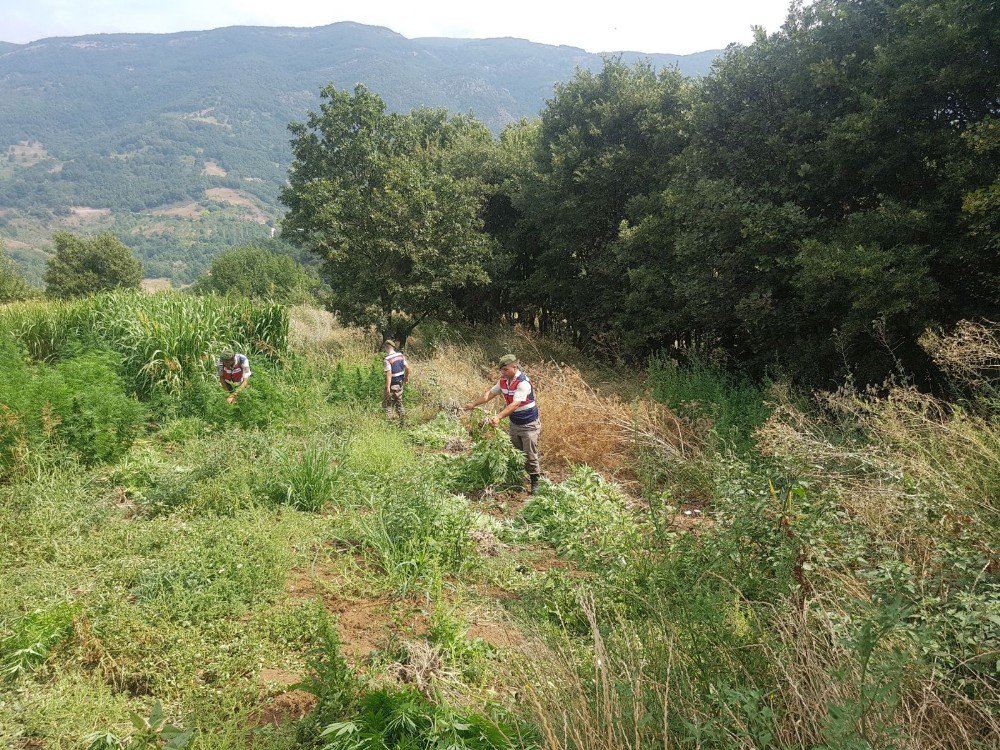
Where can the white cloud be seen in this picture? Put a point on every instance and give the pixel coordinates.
(670, 26)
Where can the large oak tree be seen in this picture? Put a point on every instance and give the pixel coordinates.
(390, 205)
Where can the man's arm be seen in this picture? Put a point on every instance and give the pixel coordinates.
(388, 380)
(506, 411)
(485, 398)
(406, 371)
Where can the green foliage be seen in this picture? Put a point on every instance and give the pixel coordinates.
(387, 719)
(375, 196)
(207, 572)
(493, 463)
(586, 519)
(357, 384)
(471, 655)
(417, 532)
(605, 138)
(164, 340)
(13, 287)
(699, 389)
(348, 717)
(153, 732)
(79, 405)
(33, 637)
(82, 267)
(258, 273)
(439, 432)
(306, 481)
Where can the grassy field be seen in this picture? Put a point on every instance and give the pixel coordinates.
(707, 565)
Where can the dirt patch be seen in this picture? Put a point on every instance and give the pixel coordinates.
(32, 150)
(496, 634)
(155, 285)
(183, 211)
(487, 544)
(278, 677)
(544, 559)
(31, 743)
(87, 214)
(363, 625)
(212, 169)
(236, 198)
(16, 244)
(283, 708)
(228, 195)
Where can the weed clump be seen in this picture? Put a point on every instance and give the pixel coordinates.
(350, 715)
(33, 637)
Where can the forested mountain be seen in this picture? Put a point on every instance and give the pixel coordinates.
(178, 142)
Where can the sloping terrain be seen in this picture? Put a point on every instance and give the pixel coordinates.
(137, 122)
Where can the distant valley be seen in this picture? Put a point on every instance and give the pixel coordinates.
(178, 143)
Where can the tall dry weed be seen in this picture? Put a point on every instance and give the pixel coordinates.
(319, 332)
(580, 424)
(601, 706)
(970, 352)
(818, 671)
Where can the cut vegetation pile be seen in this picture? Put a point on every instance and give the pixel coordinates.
(295, 572)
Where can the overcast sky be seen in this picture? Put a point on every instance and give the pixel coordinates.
(679, 26)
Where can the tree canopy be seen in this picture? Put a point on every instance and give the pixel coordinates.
(84, 266)
(391, 204)
(813, 205)
(13, 287)
(258, 273)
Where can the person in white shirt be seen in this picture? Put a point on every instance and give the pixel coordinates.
(233, 371)
(397, 374)
(522, 410)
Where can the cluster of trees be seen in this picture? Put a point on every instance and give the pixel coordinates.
(822, 197)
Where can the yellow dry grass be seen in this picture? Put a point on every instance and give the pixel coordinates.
(580, 424)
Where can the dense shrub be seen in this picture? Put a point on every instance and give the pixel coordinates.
(164, 340)
(13, 287)
(78, 405)
(701, 390)
(348, 717)
(88, 266)
(257, 273)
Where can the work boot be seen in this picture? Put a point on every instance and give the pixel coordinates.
(534, 483)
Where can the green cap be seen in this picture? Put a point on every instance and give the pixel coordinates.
(507, 359)
(388, 342)
(227, 355)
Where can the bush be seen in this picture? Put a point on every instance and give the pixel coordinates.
(88, 266)
(703, 390)
(78, 405)
(416, 532)
(165, 341)
(493, 463)
(346, 717)
(33, 637)
(13, 287)
(258, 273)
(357, 384)
(305, 482)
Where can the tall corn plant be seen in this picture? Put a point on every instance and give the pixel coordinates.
(165, 340)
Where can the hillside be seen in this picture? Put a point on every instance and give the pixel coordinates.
(178, 142)
(293, 571)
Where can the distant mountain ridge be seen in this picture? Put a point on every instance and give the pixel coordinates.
(178, 142)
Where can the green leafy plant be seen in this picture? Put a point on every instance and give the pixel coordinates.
(33, 638)
(153, 732)
(306, 481)
(493, 462)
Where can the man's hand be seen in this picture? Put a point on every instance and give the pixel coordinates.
(231, 399)
(494, 420)
(468, 407)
